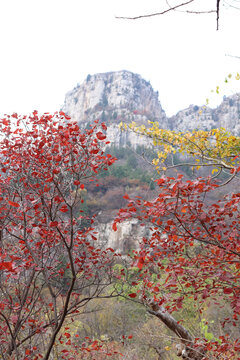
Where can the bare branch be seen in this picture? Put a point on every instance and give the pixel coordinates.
(155, 14)
(175, 8)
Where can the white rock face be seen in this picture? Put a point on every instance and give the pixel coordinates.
(127, 236)
(124, 96)
(226, 115)
(121, 138)
(114, 97)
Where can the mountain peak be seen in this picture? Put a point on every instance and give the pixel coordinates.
(114, 97)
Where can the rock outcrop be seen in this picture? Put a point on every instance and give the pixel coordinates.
(127, 236)
(226, 115)
(124, 96)
(114, 97)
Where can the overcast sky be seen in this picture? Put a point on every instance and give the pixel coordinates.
(48, 46)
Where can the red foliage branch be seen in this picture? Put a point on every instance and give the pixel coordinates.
(194, 241)
(50, 263)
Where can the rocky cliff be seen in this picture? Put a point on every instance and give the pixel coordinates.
(226, 115)
(114, 97)
(127, 236)
(124, 96)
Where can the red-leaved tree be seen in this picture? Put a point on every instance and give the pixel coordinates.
(50, 265)
(193, 252)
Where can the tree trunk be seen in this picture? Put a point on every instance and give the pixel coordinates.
(186, 349)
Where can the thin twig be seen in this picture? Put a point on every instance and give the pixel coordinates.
(154, 14)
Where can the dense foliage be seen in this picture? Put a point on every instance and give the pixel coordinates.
(178, 286)
(193, 252)
(50, 264)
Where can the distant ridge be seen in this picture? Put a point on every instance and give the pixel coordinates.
(124, 96)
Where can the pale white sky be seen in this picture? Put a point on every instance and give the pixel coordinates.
(48, 46)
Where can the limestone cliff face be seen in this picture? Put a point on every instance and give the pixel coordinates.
(114, 97)
(127, 236)
(124, 96)
(226, 115)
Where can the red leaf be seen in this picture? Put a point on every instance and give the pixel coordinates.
(64, 209)
(49, 179)
(94, 151)
(76, 182)
(53, 223)
(104, 126)
(6, 265)
(110, 249)
(141, 262)
(126, 197)
(133, 295)
(82, 186)
(100, 136)
(114, 226)
(13, 203)
(58, 158)
(227, 290)
(5, 122)
(160, 181)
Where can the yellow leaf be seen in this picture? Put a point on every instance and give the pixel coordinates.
(155, 161)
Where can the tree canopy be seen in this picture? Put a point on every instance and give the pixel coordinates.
(193, 251)
(52, 266)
